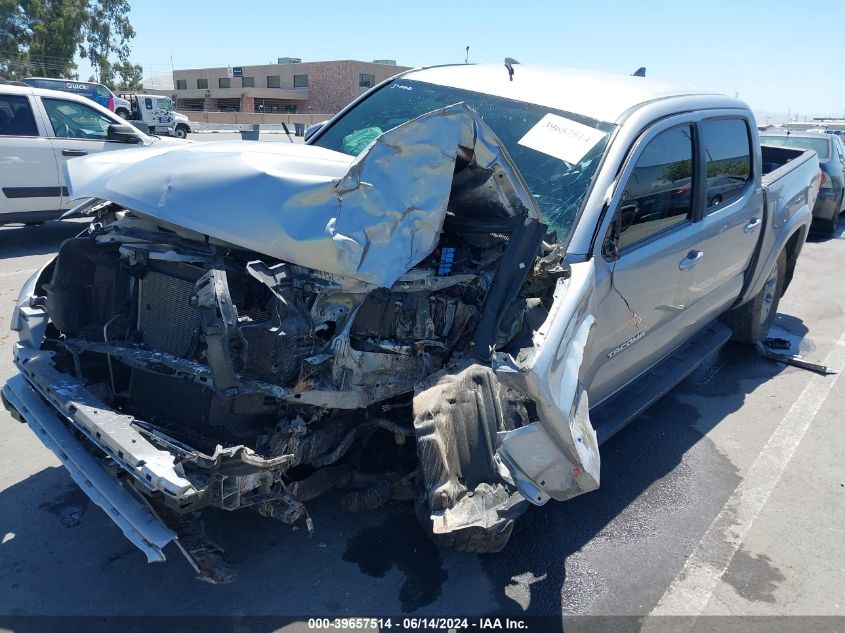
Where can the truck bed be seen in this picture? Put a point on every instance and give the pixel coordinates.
(780, 161)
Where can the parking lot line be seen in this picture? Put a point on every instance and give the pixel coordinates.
(690, 591)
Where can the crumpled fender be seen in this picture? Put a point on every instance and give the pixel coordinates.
(556, 456)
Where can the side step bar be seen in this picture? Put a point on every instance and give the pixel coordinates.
(614, 414)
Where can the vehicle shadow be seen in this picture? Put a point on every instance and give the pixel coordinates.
(816, 236)
(20, 241)
(654, 475)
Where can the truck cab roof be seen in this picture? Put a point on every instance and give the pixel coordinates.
(599, 95)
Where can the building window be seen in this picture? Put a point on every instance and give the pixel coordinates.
(224, 82)
(202, 84)
(365, 81)
(181, 84)
(248, 82)
(300, 81)
(290, 108)
(273, 81)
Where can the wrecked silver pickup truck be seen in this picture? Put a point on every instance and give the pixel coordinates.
(415, 305)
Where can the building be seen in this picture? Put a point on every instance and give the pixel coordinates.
(290, 86)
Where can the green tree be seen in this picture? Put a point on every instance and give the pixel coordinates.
(677, 171)
(122, 76)
(40, 37)
(107, 34)
(43, 37)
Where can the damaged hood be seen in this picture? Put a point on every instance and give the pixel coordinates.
(370, 218)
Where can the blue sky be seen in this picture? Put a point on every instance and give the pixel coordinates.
(772, 53)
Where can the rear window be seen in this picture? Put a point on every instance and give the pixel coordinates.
(16, 117)
(820, 145)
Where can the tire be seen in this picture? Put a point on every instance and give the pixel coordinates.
(716, 200)
(122, 113)
(751, 321)
(181, 131)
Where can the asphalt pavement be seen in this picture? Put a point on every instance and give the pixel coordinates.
(727, 497)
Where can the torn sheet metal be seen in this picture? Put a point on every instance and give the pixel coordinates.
(134, 518)
(370, 218)
(558, 456)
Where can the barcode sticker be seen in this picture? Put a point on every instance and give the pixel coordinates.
(556, 136)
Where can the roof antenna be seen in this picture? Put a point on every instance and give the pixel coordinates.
(509, 62)
(639, 72)
(466, 58)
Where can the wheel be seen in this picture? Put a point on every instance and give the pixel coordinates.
(716, 200)
(181, 132)
(751, 321)
(123, 113)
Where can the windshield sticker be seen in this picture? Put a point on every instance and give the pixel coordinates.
(559, 137)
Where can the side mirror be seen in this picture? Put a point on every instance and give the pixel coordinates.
(312, 130)
(122, 133)
(610, 246)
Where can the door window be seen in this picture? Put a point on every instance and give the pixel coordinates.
(658, 194)
(728, 149)
(16, 116)
(75, 120)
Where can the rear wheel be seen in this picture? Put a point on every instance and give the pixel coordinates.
(751, 321)
(123, 113)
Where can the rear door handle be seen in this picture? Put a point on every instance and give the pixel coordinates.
(690, 260)
(74, 152)
(752, 224)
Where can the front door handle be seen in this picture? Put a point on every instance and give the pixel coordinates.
(74, 152)
(752, 224)
(690, 260)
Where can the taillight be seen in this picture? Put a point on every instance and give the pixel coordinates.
(826, 181)
(111, 103)
(680, 191)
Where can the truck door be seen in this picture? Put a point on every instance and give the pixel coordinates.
(75, 130)
(29, 179)
(733, 210)
(645, 264)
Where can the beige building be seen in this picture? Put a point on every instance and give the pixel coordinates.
(290, 86)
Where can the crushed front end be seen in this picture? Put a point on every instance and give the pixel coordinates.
(174, 361)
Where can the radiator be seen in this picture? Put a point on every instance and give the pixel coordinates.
(166, 319)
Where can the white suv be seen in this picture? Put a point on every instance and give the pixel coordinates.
(40, 130)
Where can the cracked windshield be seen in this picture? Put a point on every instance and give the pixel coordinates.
(558, 187)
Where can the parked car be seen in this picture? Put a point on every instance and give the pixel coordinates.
(42, 129)
(98, 93)
(157, 113)
(435, 299)
(829, 147)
